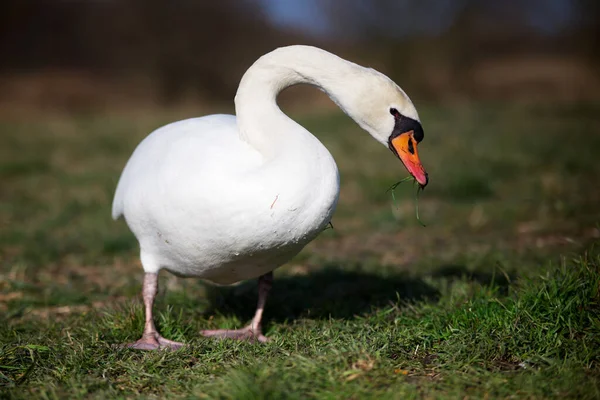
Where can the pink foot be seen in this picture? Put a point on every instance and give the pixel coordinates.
(238, 334)
(154, 342)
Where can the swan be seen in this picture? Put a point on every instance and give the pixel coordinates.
(227, 198)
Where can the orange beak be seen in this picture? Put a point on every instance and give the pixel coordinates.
(405, 147)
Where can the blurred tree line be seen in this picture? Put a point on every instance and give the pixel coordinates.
(490, 48)
(182, 48)
(178, 44)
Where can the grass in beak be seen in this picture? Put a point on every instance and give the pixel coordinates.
(419, 188)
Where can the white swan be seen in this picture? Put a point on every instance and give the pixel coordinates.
(226, 199)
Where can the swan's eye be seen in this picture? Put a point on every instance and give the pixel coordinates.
(394, 112)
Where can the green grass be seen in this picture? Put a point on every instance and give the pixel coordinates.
(496, 298)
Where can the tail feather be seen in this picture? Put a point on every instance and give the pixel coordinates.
(117, 205)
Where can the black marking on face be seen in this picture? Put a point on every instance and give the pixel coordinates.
(405, 124)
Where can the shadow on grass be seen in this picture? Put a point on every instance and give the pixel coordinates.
(330, 292)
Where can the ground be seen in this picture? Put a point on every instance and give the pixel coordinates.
(497, 297)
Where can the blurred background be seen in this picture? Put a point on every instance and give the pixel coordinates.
(90, 55)
(508, 93)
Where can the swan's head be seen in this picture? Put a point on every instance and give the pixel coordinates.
(380, 107)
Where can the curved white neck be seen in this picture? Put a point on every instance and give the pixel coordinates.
(260, 121)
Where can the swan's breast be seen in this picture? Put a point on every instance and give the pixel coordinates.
(244, 229)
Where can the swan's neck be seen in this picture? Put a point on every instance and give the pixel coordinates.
(260, 121)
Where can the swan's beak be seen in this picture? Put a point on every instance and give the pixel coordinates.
(405, 146)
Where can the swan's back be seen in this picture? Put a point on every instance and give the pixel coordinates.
(194, 147)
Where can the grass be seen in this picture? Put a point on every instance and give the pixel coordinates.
(496, 298)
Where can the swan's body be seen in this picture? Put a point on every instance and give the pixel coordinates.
(203, 203)
(228, 198)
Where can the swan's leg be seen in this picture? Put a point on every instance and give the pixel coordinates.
(253, 331)
(151, 339)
